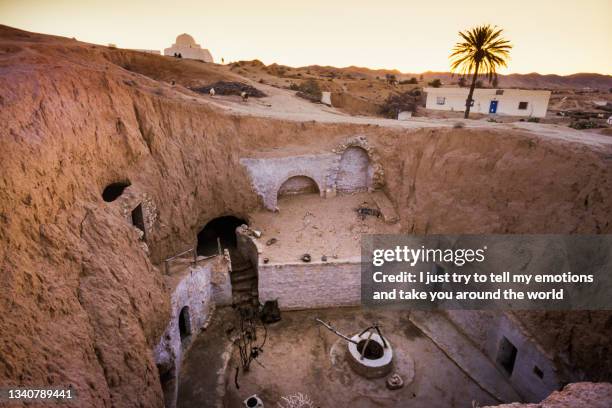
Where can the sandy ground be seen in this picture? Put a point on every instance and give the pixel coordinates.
(283, 104)
(301, 356)
(310, 224)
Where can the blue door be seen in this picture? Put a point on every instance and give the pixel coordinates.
(493, 107)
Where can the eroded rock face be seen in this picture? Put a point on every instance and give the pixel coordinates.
(584, 394)
(82, 301)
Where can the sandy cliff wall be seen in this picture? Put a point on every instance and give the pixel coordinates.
(82, 302)
(583, 394)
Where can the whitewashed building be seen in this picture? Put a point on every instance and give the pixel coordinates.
(186, 47)
(513, 102)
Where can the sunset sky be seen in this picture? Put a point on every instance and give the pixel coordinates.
(561, 37)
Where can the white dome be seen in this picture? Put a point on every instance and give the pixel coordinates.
(185, 40)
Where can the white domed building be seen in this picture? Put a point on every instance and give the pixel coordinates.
(186, 46)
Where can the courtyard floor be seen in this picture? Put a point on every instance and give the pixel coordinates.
(319, 226)
(301, 356)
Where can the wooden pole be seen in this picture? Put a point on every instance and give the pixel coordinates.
(336, 332)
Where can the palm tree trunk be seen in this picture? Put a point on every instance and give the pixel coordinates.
(468, 101)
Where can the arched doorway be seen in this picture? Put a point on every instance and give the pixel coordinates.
(298, 185)
(353, 174)
(222, 228)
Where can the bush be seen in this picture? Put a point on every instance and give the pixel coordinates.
(534, 120)
(391, 78)
(436, 83)
(459, 125)
(396, 103)
(310, 87)
(231, 88)
(584, 124)
(412, 81)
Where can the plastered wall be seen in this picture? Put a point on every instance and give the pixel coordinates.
(311, 285)
(194, 290)
(487, 329)
(352, 166)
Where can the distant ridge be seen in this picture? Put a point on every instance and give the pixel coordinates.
(531, 80)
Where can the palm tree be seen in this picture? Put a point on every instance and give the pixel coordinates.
(482, 52)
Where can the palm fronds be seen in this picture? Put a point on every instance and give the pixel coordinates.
(481, 47)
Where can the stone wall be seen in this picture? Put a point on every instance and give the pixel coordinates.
(487, 329)
(131, 198)
(268, 175)
(194, 290)
(221, 285)
(352, 166)
(376, 174)
(247, 246)
(354, 171)
(311, 285)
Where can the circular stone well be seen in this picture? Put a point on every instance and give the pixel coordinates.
(377, 360)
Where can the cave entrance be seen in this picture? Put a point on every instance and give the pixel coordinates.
(138, 220)
(222, 229)
(298, 185)
(184, 323)
(113, 191)
(354, 171)
(506, 355)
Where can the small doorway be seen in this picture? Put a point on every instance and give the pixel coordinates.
(184, 323)
(138, 220)
(298, 185)
(493, 107)
(506, 355)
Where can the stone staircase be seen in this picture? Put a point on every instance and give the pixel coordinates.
(244, 282)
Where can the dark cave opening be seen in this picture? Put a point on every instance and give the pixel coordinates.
(114, 190)
(221, 228)
(184, 323)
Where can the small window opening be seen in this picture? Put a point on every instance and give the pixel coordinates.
(523, 105)
(184, 323)
(138, 219)
(499, 92)
(538, 371)
(506, 355)
(113, 191)
(440, 100)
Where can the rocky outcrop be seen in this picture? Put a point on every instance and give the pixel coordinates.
(584, 394)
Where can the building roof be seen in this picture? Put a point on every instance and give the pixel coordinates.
(185, 40)
(465, 91)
